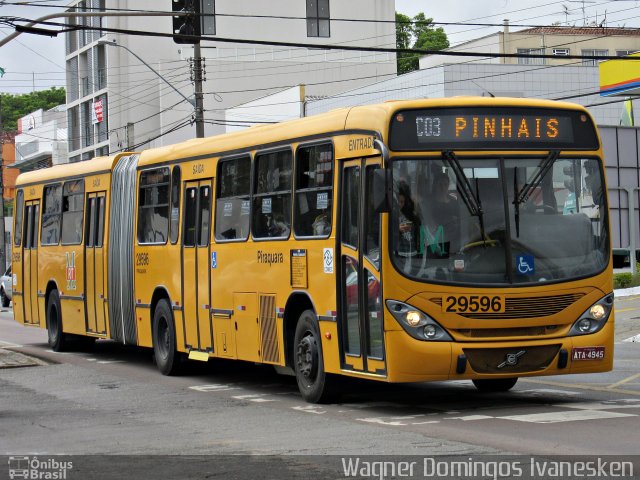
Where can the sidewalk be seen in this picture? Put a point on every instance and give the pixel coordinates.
(626, 292)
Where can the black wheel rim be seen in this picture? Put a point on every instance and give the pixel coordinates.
(164, 338)
(307, 357)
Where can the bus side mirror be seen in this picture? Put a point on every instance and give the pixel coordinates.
(379, 195)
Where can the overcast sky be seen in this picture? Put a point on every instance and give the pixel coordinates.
(32, 61)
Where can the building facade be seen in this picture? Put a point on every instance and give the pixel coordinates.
(116, 102)
(42, 139)
(9, 172)
(556, 41)
(557, 78)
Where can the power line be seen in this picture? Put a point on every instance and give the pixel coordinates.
(346, 20)
(337, 47)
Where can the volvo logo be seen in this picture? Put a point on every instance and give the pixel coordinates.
(511, 359)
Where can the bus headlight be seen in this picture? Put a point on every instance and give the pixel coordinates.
(594, 318)
(417, 323)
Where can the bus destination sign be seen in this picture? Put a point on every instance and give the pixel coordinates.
(491, 128)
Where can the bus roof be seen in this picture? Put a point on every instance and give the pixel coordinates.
(68, 170)
(374, 117)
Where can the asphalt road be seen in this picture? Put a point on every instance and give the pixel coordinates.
(112, 400)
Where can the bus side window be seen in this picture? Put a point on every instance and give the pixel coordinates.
(190, 217)
(153, 206)
(100, 229)
(72, 212)
(175, 204)
(17, 237)
(272, 197)
(314, 191)
(233, 203)
(372, 221)
(52, 210)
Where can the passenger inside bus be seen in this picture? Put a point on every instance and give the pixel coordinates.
(443, 205)
(408, 222)
(442, 216)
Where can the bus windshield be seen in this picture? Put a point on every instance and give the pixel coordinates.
(538, 219)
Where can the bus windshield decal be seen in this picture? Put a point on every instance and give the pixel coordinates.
(498, 128)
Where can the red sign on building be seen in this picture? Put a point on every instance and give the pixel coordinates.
(98, 114)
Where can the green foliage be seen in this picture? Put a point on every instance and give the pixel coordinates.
(416, 33)
(17, 106)
(627, 279)
(622, 280)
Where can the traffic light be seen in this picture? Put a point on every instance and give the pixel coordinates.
(188, 24)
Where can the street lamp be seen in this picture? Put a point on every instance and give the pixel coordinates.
(199, 110)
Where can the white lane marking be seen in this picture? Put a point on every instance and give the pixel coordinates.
(605, 405)
(258, 398)
(107, 362)
(569, 416)
(382, 421)
(215, 387)
(471, 418)
(634, 339)
(310, 409)
(76, 354)
(547, 391)
(425, 423)
(4, 344)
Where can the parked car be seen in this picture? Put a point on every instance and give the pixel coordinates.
(6, 288)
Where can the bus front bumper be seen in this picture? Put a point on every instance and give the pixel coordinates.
(421, 361)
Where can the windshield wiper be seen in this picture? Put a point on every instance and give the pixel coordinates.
(473, 203)
(524, 194)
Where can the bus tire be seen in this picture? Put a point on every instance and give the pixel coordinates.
(495, 384)
(168, 359)
(4, 298)
(315, 385)
(56, 338)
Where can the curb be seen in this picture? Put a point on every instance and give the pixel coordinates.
(11, 359)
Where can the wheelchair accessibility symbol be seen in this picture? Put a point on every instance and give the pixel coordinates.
(525, 264)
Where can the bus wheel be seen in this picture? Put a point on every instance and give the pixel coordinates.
(57, 339)
(495, 385)
(167, 358)
(315, 385)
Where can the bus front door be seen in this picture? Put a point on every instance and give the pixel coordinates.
(361, 313)
(94, 265)
(196, 254)
(30, 262)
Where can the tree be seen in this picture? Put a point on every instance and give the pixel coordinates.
(416, 33)
(17, 106)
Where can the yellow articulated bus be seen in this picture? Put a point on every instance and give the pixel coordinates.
(409, 241)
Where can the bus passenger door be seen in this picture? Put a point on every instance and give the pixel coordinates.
(196, 254)
(30, 262)
(94, 264)
(361, 310)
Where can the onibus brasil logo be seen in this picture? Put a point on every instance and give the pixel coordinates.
(33, 468)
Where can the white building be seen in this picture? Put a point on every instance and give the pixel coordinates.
(575, 80)
(42, 139)
(140, 110)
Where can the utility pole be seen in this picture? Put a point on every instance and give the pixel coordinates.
(197, 75)
(3, 256)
